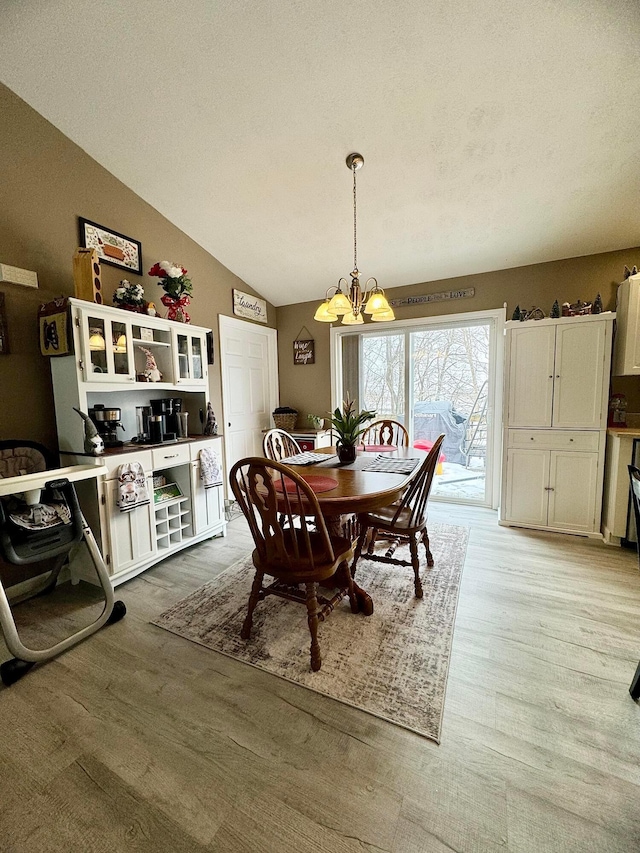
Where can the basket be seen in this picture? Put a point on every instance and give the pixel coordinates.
(285, 422)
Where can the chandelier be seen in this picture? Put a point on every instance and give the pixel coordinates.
(349, 304)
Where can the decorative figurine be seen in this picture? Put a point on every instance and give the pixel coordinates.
(576, 309)
(555, 310)
(629, 272)
(516, 313)
(533, 314)
(151, 368)
(93, 442)
(597, 305)
(151, 309)
(211, 424)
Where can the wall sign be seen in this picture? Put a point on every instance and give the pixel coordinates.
(304, 352)
(434, 297)
(251, 307)
(4, 337)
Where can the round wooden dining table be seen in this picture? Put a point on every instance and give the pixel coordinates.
(357, 491)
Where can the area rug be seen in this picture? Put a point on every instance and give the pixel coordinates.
(392, 664)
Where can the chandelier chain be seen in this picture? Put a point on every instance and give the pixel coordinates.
(355, 235)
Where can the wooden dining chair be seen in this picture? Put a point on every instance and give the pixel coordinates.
(278, 444)
(386, 432)
(405, 519)
(634, 480)
(298, 558)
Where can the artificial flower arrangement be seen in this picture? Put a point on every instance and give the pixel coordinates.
(130, 296)
(177, 289)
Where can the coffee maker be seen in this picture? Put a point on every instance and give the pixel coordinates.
(165, 417)
(107, 421)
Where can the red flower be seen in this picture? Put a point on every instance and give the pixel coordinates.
(184, 272)
(157, 271)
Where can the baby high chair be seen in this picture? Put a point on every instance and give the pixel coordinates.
(41, 522)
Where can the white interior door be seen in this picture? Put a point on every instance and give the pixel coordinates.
(249, 361)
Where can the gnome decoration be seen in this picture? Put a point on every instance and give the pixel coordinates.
(597, 305)
(555, 310)
(151, 368)
(93, 442)
(211, 424)
(516, 313)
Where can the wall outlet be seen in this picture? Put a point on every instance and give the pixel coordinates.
(15, 275)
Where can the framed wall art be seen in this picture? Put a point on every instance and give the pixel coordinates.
(304, 349)
(4, 337)
(113, 248)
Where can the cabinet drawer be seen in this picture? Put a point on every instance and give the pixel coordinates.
(114, 462)
(547, 439)
(172, 454)
(214, 443)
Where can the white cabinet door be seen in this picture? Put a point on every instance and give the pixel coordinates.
(208, 504)
(190, 357)
(526, 499)
(531, 362)
(107, 354)
(578, 386)
(626, 352)
(573, 480)
(132, 534)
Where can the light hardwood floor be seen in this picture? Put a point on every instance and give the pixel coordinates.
(140, 740)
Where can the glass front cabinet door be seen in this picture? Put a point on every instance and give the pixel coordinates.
(190, 350)
(107, 350)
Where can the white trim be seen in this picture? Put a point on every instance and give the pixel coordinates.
(496, 370)
(230, 323)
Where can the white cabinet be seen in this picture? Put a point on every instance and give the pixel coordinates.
(131, 534)
(531, 355)
(557, 379)
(626, 351)
(555, 375)
(208, 503)
(105, 344)
(190, 354)
(551, 488)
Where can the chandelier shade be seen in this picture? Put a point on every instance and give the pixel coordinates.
(352, 305)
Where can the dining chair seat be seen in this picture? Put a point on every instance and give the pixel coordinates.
(305, 568)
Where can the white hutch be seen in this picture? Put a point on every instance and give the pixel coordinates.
(106, 368)
(556, 399)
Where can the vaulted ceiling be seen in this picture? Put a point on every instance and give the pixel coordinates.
(495, 133)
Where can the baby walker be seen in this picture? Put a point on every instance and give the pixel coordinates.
(40, 518)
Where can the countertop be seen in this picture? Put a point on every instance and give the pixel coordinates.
(624, 432)
(134, 447)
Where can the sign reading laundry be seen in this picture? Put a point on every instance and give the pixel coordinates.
(434, 297)
(251, 307)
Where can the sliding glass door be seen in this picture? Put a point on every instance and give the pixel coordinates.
(435, 377)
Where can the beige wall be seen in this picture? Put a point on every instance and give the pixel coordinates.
(308, 388)
(46, 182)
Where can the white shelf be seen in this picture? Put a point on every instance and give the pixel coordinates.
(150, 343)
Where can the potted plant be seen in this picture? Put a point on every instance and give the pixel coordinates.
(130, 297)
(349, 427)
(315, 421)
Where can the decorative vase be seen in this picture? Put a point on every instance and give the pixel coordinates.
(176, 308)
(346, 453)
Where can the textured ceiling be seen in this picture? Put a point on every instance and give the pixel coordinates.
(495, 134)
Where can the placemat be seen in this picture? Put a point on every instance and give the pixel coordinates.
(306, 458)
(384, 465)
(318, 484)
